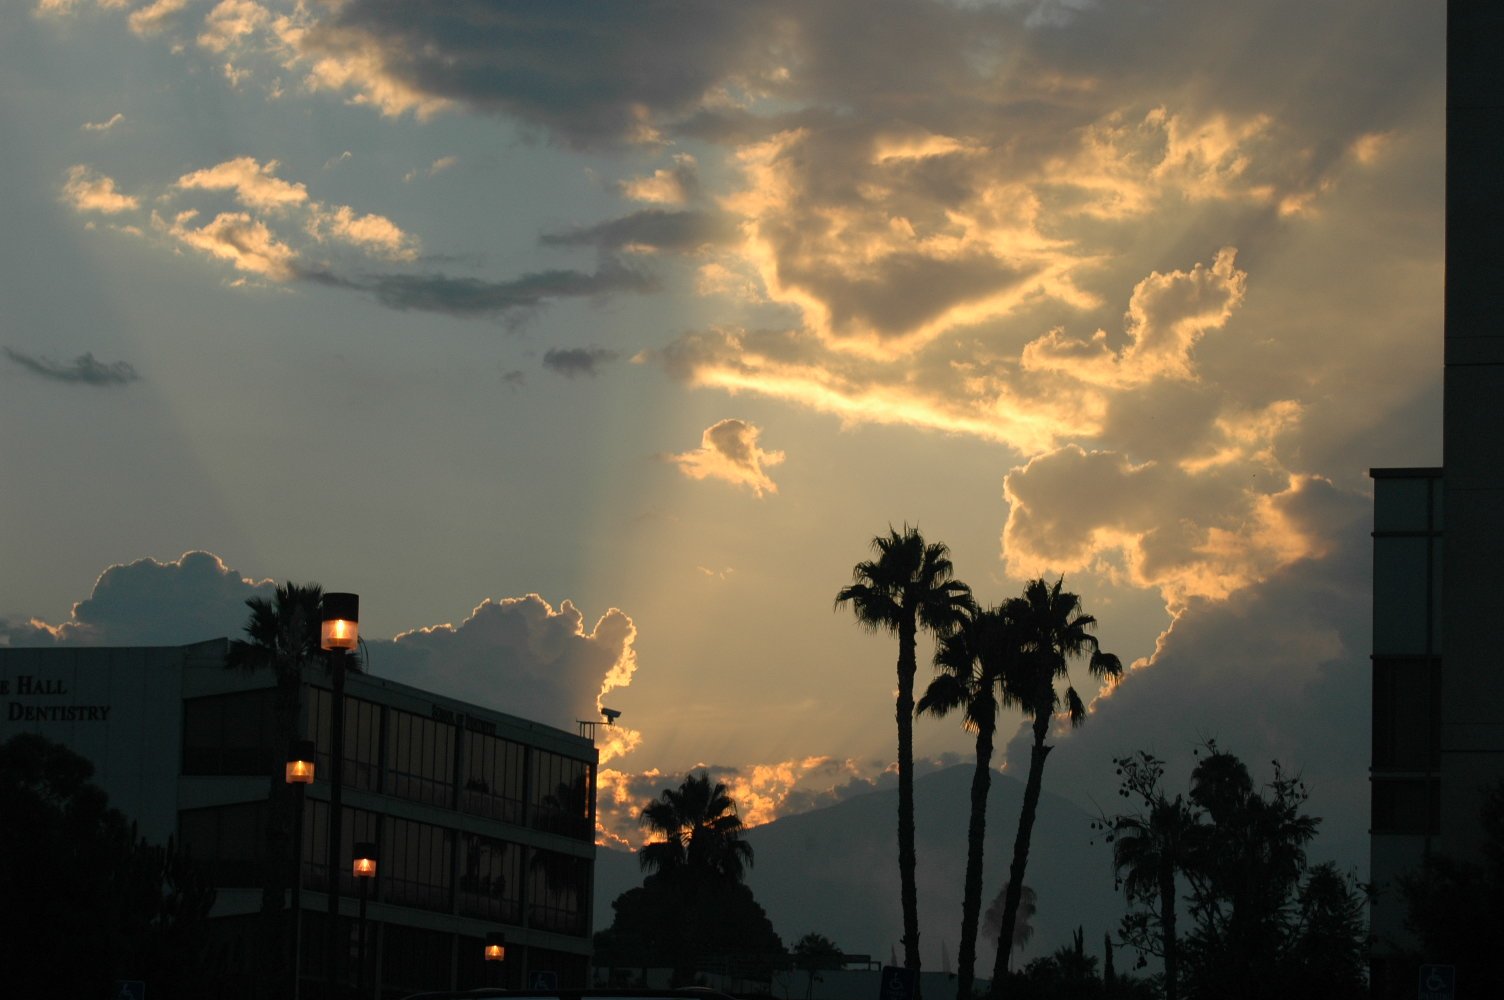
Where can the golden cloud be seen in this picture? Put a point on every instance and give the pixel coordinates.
(729, 452)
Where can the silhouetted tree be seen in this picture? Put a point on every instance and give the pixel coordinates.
(908, 586)
(1261, 922)
(1149, 848)
(971, 662)
(815, 953)
(1023, 926)
(282, 636)
(697, 865)
(85, 900)
(1054, 630)
(1455, 909)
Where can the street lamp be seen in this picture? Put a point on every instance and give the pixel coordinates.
(300, 767)
(340, 632)
(496, 951)
(364, 869)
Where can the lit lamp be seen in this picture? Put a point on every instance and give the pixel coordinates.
(300, 770)
(496, 952)
(338, 634)
(300, 765)
(341, 628)
(364, 870)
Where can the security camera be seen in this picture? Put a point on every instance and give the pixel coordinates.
(611, 715)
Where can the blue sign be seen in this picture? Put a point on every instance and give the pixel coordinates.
(896, 983)
(130, 989)
(544, 979)
(1438, 982)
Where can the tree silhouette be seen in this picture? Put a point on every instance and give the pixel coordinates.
(907, 586)
(700, 829)
(1054, 630)
(971, 662)
(1149, 848)
(815, 953)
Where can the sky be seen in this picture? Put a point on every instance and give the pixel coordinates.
(593, 344)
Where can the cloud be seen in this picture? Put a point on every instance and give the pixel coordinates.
(650, 229)
(374, 233)
(572, 361)
(82, 370)
(237, 237)
(676, 185)
(232, 21)
(519, 655)
(254, 184)
(435, 168)
(104, 126)
(149, 603)
(154, 17)
(1281, 673)
(728, 451)
(476, 297)
(88, 191)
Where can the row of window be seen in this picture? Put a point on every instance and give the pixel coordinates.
(420, 864)
(399, 753)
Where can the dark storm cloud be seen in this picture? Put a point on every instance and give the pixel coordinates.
(587, 72)
(652, 227)
(82, 370)
(572, 361)
(476, 297)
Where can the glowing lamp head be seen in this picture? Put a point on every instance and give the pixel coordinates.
(300, 763)
(341, 628)
(496, 947)
(365, 861)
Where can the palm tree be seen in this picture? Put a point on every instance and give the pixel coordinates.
(907, 586)
(282, 635)
(1150, 847)
(1054, 631)
(972, 661)
(700, 829)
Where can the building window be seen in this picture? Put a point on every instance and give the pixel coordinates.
(357, 825)
(227, 842)
(416, 858)
(1406, 714)
(495, 777)
(1406, 805)
(490, 879)
(561, 795)
(362, 738)
(230, 734)
(557, 884)
(420, 758)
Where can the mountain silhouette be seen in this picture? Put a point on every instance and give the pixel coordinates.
(834, 871)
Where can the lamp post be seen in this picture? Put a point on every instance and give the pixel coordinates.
(496, 951)
(364, 870)
(339, 634)
(300, 768)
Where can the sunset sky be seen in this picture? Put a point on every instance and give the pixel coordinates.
(591, 344)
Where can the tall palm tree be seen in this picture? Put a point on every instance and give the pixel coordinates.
(1054, 631)
(700, 829)
(282, 635)
(908, 586)
(972, 661)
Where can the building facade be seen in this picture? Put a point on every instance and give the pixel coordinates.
(484, 822)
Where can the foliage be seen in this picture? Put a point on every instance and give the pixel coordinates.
(692, 910)
(86, 900)
(1261, 922)
(813, 954)
(1052, 630)
(1455, 908)
(908, 586)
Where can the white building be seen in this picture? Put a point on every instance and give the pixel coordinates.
(485, 822)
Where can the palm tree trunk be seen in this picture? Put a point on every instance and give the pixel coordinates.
(971, 902)
(1167, 928)
(1021, 851)
(906, 857)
